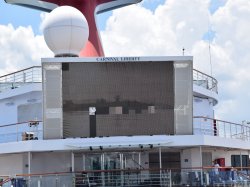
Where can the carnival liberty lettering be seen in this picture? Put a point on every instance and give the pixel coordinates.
(117, 59)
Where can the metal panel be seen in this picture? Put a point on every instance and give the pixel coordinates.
(183, 97)
(52, 101)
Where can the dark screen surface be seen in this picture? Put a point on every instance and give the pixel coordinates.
(117, 98)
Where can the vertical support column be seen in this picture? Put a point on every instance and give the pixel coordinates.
(160, 164)
(248, 154)
(18, 133)
(39, 182)
(125, 162)
(72, 162)
(29, 162)
(201, 166)
(240, 161)
(84, 162)
(29, 168)
(121, 167)
(139, 160)
(102, 168)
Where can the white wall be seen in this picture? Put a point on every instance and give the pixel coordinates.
(9, 113)
(8, 106)
(203, 107)
(11, 164)
(51, 162)
(190, 158)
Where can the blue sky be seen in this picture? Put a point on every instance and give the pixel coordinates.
(22, 16)
(19, 16)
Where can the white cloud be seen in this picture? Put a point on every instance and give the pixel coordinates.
(165, 31)
(231, 24)
(20, 48)
(176, 24)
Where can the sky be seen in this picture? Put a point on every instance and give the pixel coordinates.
(155, 28)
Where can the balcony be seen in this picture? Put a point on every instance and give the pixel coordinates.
(216, 127)
(24, 131)
(205, 81)
(20, 78)
(203, 176)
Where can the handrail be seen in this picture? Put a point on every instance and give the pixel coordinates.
(5, 181)
(20, 123)
(128, 170)
(219, 120)
(21, 131)
(21, 78)
(205, 74)
(204, 80)
(193, 176)
(215, 127)
(19, 71)
(15, 79)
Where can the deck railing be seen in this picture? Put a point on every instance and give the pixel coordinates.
(204, 80)
(34, 75)
(20, 78)
(165, 178)
(32, 130)
(216, 127)
(29, 130)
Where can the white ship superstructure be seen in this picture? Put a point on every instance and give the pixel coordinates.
(113, 121)
(41, 155)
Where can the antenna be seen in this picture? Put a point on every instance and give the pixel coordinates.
(209, 49)
(210, 58)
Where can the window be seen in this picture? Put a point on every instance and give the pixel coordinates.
(236, 161)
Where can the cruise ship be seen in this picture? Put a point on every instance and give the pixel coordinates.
(116, 121)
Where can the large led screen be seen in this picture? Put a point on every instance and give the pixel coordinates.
(118, 98)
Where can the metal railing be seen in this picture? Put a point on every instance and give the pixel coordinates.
(203, 176)
(21, 78)
(30, 130)
(215, 127)
(126, 178)
(204, 80)
(34, 75)
(111, 178)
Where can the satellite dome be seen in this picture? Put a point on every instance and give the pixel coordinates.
(65, 31)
